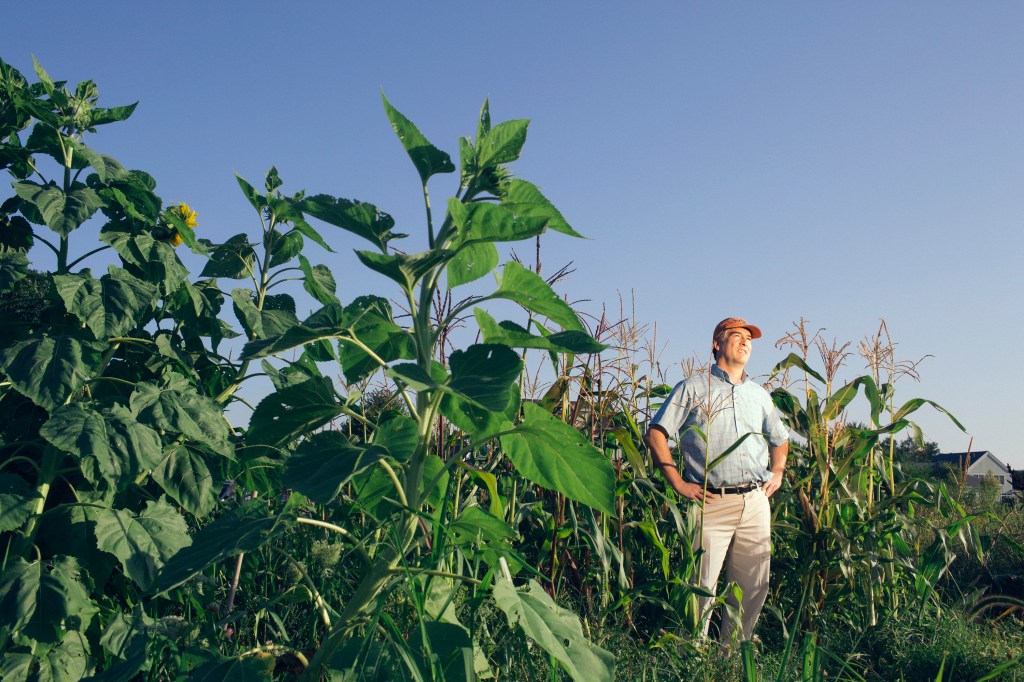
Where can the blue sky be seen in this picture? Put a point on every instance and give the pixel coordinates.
(841, 162)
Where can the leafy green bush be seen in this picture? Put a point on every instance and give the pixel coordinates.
(952, 642)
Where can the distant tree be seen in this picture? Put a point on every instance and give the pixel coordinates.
(23, 305)
(907, 450)
(1016, 478)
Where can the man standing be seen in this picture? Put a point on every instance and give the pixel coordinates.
(733, 473)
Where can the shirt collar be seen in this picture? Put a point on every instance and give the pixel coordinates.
(721, 374)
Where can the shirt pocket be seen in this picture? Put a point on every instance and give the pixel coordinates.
(749, 417)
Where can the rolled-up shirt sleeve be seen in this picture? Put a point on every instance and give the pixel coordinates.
(674, 411)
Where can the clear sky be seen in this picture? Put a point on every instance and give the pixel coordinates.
(842, 162)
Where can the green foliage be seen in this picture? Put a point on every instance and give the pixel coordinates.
(555, 629)
(95, 422)
(951, 643)
(377, 526)
(243, 529)
(325, 462)
(558, 457)
(113, 398)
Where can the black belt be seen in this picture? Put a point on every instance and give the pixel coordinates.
(734, 489)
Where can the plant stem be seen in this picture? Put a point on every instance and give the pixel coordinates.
(82, 258)
(439, 574)
(234, 584)
(430, 221)
(47, 472)
(360, 601)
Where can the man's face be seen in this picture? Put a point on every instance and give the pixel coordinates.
(734, 346)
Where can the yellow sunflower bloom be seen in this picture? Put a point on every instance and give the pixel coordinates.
(187, 216)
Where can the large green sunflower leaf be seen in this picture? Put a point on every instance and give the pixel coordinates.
(43, 597)
(47, 140)
(180, 409)
(276, 318)
(49, 369)
(109, 306)
(370, 321)
(286, 246)
(70, 529)
(234, 259)
(62, 212)
(367, 319)
(278, 314)
(399, 434)
(405, 269)
(556, 456)
(288, 413)
(478, 421)
(142, 542)
(558, 631)
(15, 231)
(533, 293)
(184, 476)
(472, 262)
(66, 662)
(524, 199)
(326, 323)
(502, 143)
(512, 335)
(17, 501)
(13, 267)
(362, 219)
(318, 281)
(121, 446)
(129, 197)
(154, 259)
(325, 462)
(482, 222)
(485, 374)
(17, 664)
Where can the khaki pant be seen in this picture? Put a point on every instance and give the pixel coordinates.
(737, 532)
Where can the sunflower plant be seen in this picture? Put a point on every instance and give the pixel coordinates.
(113, 428)
(109, 438)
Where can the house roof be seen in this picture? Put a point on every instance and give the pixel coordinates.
(960, 459)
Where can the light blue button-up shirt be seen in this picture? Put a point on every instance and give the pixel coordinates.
(733, 410)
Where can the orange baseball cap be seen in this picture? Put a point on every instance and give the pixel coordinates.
(736, 323)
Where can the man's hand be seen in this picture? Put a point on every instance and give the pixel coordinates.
(772, 484)
(777, 455)
(662, 457)
(695, 492)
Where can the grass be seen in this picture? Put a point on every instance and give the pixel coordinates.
(963, 648)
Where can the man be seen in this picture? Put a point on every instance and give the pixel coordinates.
(734, 413)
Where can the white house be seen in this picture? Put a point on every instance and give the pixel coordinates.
(977, 466)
